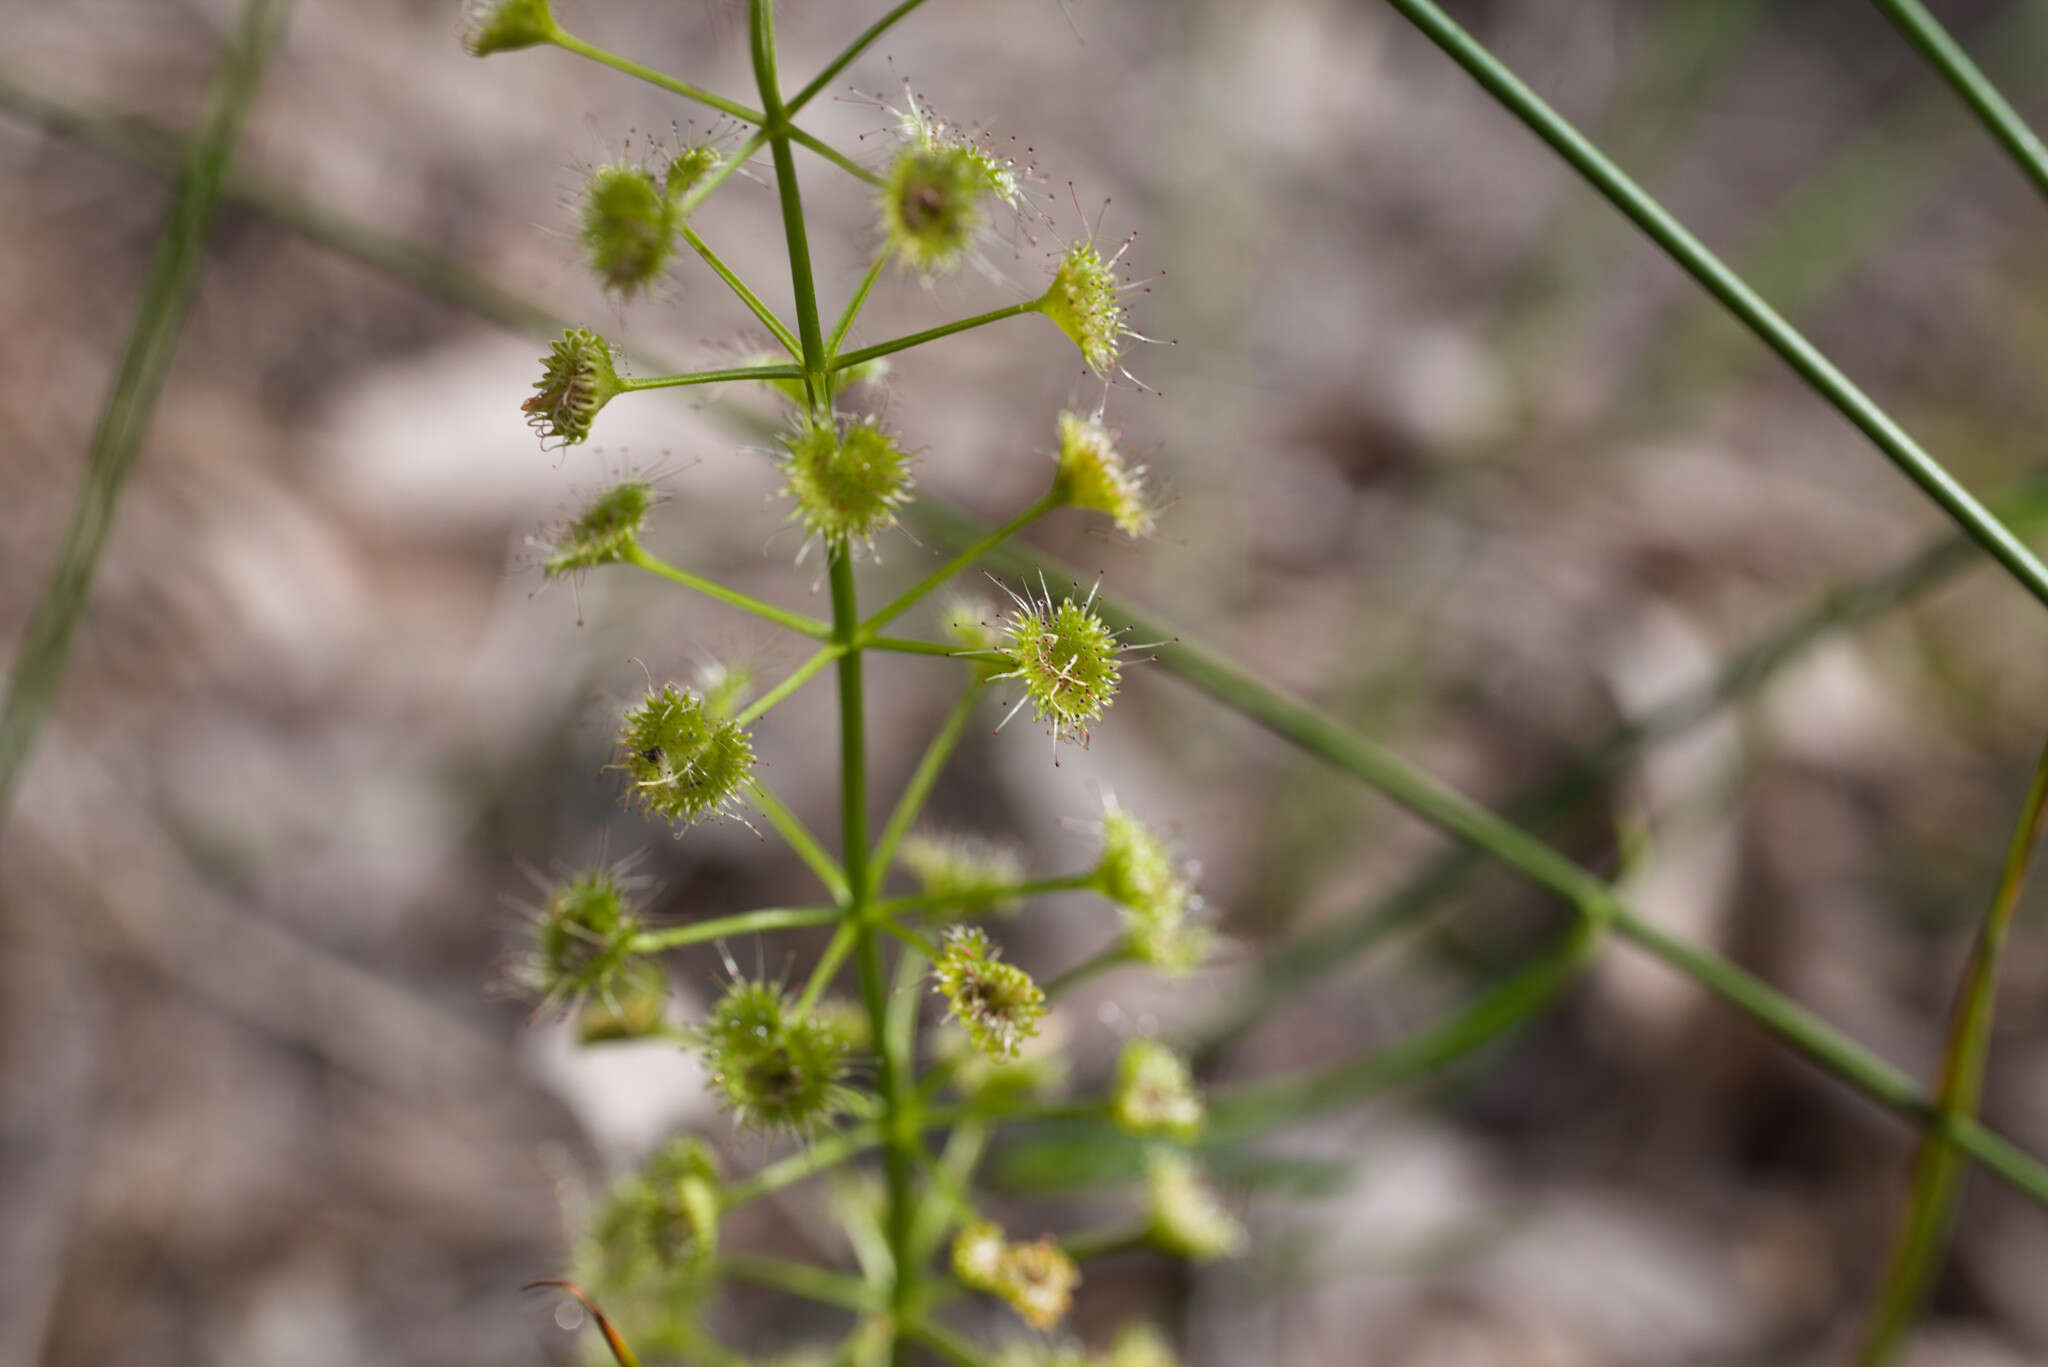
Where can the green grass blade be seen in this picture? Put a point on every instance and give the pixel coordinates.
(1815, 237)
(1319, 734)
(1288, 970)
(1692, 255)
(166, 298)
(1937, 1171)
(1942, 52)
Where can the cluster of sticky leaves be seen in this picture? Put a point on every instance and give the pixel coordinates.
(1036, 1279)
(604, 533)
(847, 479)
(963, 872)
(683, 762)
(1155, 890)
(770, 1067)
(998, 1003)
(577, 379)
(1093, 474)
(1155, 1093)
(935, 193)
(581, 940)
(629, 227)
(1086, 300)
(1065, 659)
(1135, 1345)
(650, 1251)
(1185, 1217)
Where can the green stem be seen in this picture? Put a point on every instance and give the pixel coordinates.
(1286, 972)
(889, 348)
(1938, 1170)
(911, 596)
(827, 966)
(1320, 735)
(628, 383)
(724, 171)
(943, 1341)
(800, 839)
(818, 1156)
(760, 310)
(569, 42)
(853, 50)
(911, 939)
(795, 621)
(1115, 956)
(1837, 1053)
(944, 901)
(743, 923)
(904, 645)
(854, 306)
(800, 1279)
(174, 268)
(1091, 1245)
(1253, 1107)
(1942, 52)
(796, 679)
(929, 765)
(761, 29)
(1714, 276)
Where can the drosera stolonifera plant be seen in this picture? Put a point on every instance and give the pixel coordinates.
(782, 1058)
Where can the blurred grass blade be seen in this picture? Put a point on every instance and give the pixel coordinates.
(1289, 969)
(174, 272)
(1691, 254)
(1317, 733)
(1925, 32)
(1259, 1106)
(1817, 235)
(1938, 1171)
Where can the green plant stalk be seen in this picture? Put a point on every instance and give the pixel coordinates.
(124, 419)
(904, 645)
(844, 59)
(900, 1136)
(800, 1279)
(799, 838)
(1287, 971)
(795, 679)
(974, 552)
(919, 786)
(755, 306)
(822, 972)
(946, 901)
(854, 305)
(1947, 57)
(742, 923)
(774, 123)
(915, 339)
(1115, 956)
(1332, 741)
(1252, 1108)
(1958, 1088)
(711, 588)
(1706, 268)
(820, 1155)
(630, 383)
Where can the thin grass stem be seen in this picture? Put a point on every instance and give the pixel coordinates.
(1693, 256)
(124, 419)
(1938, 1169)
(795, 621)
(1947, 57)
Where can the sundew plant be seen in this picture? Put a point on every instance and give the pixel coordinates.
(891, 1115)
(785, 1058)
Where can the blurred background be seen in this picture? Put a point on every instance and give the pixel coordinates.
(1448, 450)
